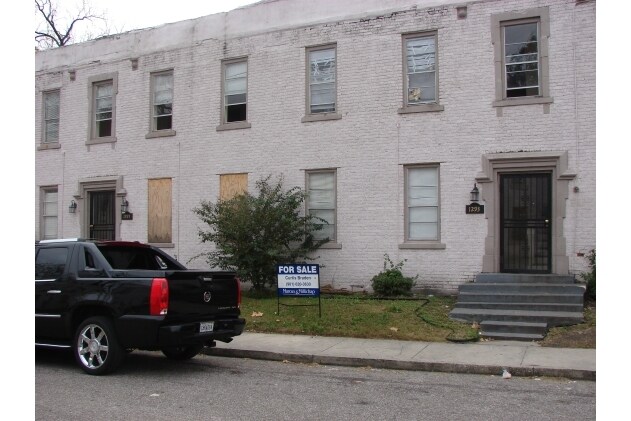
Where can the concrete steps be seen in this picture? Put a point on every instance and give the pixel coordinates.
(519, 306)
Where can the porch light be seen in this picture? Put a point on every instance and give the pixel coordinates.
(124, 206)
(73, 207)
(475, 194)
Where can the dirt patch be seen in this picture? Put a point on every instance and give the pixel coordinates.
(578, 336)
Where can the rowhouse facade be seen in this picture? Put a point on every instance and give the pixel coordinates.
(391, 114)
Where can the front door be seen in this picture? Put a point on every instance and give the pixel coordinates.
(102, 216)
(526, 223)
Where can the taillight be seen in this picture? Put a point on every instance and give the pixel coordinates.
(159, 297)
(238, 292)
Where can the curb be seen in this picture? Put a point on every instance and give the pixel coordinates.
(531, 371)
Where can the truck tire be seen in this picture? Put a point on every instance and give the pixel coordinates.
(181, 353)
(96, 348)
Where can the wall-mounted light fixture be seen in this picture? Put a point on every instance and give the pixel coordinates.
(475, 207)
(124, 206)
(73, 207)
(475, 194)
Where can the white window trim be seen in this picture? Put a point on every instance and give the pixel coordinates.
(498, 21)
(421, 244)
(235, 125)
(92, 82)
(153, 132)
(309, 116)
(428, 106)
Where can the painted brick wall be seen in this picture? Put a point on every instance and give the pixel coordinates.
(369, 145)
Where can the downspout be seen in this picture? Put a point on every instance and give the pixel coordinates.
(63, 191)
(179, 187)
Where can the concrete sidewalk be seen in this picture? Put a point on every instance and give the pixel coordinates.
(519, 358)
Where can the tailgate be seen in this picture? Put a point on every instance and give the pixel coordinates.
(202, 295)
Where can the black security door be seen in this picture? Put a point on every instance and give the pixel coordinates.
(102, 216)
(525, 223)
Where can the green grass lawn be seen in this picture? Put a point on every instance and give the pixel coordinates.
(358, 316)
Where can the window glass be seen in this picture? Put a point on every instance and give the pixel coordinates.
(421, 69)
(235, 91)
(49, 213)
(521, 59)
(50, 263)
(322, 81)
(162, 101)
(103, 99)
(422, 203)
(51, 117)
(321, 202)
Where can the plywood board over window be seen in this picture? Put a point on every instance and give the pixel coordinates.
(159, 212)
(231, 185)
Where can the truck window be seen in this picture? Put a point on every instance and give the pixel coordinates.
(50, 262)
(123, 258)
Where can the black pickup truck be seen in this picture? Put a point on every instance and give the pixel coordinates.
(105, 298)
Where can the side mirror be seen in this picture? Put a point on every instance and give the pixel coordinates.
(91, 273)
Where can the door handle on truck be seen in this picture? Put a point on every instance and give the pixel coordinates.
(54, 291)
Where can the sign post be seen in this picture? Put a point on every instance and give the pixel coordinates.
(299, 280)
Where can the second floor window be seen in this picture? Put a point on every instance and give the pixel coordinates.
(420, 68)
(235, 91)
(162, 101)
(103, 109)
(521, 59)
(322, 90)
(51, 117)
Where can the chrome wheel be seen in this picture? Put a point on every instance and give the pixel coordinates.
(93, 346)
(96, 347)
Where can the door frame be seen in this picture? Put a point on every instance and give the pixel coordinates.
(87, 185)
(511, 162)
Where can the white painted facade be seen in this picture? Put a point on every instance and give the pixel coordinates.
(472, 139)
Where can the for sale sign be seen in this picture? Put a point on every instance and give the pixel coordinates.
(298, 280)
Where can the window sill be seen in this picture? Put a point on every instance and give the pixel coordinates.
(421, 108)
(109, 139)
(331, 245)
(160, 133)
(321, 117)
(234, 126)
(419, 246)
(163, 245)
(46, 146)
(509, 102)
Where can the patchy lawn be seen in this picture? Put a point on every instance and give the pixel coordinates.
(577, 336)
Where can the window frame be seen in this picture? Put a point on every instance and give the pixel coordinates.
(93, 83)
(410, 243)
(498, 23)
(153, 130)
(242, 124)
(333, 240)
(428, 106)
(42, 212)
(330, 115)
(45, 142)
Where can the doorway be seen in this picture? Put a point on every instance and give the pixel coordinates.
(101, 213)
(526, 223)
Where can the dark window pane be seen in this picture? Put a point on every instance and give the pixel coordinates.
(104, 128)
(163, 123)
(235, 113)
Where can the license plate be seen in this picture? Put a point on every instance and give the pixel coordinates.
(206, 327)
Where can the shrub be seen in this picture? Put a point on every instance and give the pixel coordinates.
(253, 234)
(590, 276)
(390, 282)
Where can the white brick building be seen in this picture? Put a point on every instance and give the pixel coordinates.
(404, 104)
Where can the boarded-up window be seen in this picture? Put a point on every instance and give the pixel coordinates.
(159, 211)
(231, 185)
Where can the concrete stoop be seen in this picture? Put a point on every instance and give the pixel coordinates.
(519, 306)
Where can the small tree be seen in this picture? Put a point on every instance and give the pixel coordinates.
(252, 234)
